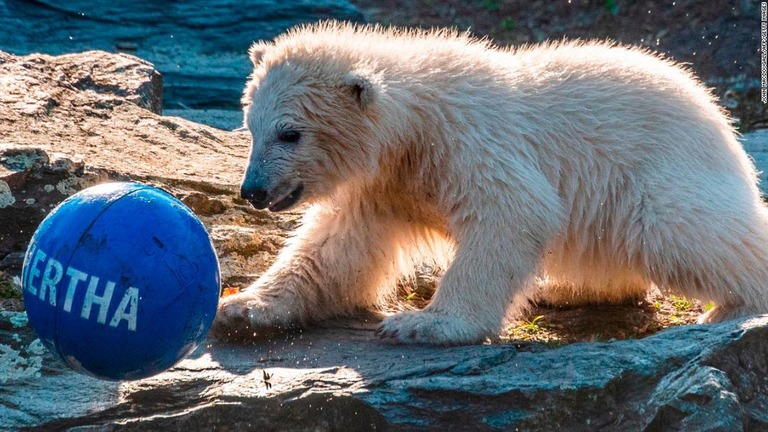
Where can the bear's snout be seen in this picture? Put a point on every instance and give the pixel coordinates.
(275, 202)
(256, 196)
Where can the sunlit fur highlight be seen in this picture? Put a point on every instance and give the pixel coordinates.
(591, 168)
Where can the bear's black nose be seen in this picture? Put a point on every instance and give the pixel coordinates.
(256, 196)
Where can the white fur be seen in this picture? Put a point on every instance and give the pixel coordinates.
(599, 169)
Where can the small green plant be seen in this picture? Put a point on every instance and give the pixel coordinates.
(657, 305)
(610, 7)
(410, 296)
(675, 320)
(508, 24)
(708, 307)
(680, 303)
(531, 327)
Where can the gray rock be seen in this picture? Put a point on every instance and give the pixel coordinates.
(202, 204)
(199, 46)
(128, 77)
(341, 377)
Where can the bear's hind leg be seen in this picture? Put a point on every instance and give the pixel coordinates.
(500, 235)
(725, 263)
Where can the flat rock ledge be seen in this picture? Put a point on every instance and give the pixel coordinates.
(341, 377)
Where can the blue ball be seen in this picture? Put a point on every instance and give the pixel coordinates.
(121, 281)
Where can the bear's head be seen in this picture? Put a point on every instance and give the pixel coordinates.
(311, 114)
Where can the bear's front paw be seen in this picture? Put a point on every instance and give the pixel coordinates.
(246, 316)
(433, 328)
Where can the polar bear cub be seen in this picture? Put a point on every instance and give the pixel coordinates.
(594, 169)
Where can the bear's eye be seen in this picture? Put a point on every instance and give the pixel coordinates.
(288, 135)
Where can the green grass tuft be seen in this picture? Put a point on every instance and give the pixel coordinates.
(531, 327)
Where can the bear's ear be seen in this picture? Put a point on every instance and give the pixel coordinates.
(257, 50)
(364, 86)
